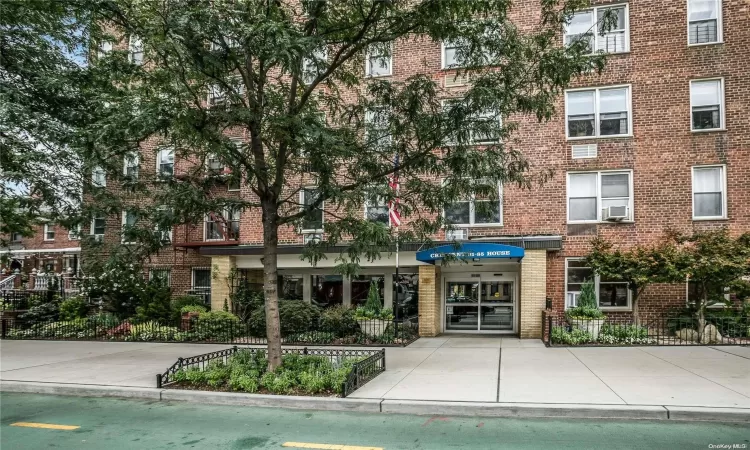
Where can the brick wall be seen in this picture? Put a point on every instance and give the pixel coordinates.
(533, 293)
(430, 301)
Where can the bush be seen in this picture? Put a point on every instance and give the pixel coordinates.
(155, 303)
(295, 316)
(153, 331)
(245, 300)
(43, 313)
(588, 307)
(181, 301)
(311, 337)
(73, 308)
(560, 335)
(624, 334)
(216, 326)
(193, 309)
(339, 320)
(68, 329)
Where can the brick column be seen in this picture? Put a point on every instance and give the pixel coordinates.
(220, 269)
(533, 293)
(430, 300)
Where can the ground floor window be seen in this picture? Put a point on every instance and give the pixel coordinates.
(327, 290)
(612, 293)
(361, 288)
(291, 287)
(161, 276)
(406, 295)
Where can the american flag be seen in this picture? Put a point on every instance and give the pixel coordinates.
(393, 204)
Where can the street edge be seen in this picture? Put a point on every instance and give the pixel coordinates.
(417, 407)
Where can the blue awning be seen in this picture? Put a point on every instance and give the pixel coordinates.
(471, 250)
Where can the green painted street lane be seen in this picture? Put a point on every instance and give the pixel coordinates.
(107, 423)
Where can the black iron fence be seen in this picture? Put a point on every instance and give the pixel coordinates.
(211, 330)
(724, 327)
(20, 300)
(366, 364)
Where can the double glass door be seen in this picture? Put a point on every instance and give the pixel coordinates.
(479, 304)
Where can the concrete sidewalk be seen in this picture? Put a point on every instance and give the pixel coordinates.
(466, 370)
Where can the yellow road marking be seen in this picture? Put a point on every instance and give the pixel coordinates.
(327, 446)
(50, 426)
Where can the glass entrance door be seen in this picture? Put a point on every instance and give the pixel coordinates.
(480, 303)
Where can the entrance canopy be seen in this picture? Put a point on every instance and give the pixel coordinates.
(470, 250)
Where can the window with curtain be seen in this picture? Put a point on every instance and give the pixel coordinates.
(131, 166)
(704, 21)
(165, 162)
(706, 101)
(708, 192)
(598, 112)
(314, 65)
(379, 60)
(135, 50)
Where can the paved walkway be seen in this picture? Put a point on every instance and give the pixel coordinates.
(470, 369)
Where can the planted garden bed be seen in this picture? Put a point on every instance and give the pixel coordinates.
(311, 372)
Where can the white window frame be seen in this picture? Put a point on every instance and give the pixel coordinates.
(319, 54)
(160, 232)
(226, 214)
(104, 48)
(723, 168)
(16, 237)
(369, 204)
(727, 296)
(122, 228)
(93, 225)
(133, 50)
(159, 164)
(595, 27)
(599, 173)
(132, 159)
(722, 108)
(719, 25)
(321, 207)
(472, 212)
(161, 269)
(217, 170)
(486, 114)
(49, 228)
(597, 90)
(597, 280)
(368, 64)
(442, 58)
(74, 234)
(216, 96)
(98, 177)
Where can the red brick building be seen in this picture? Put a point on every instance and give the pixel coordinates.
(661, 139)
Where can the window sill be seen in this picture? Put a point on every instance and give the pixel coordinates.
(379, 76)
(704, 44)
(610, 136)
(310, 232)
(709, 130)
(594, 222)
(708, 219)
(616, 309)
(49, 240)
(477, 225)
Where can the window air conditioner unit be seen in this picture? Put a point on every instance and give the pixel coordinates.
(583, 151)
(99, 237)
(453, 80)
(312, 237)
(615, 213)
(456, 235)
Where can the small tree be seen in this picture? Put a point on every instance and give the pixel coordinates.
(714, 261)
(639, 266)
(587, 307)
(373, 299)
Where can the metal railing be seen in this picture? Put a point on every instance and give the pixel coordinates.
(721, 328)
(371, 363)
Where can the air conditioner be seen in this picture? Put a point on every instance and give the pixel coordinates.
(615, 213)
(311, 237)
(454, 80)
(582, 151)
(99, 237)
(456, 235)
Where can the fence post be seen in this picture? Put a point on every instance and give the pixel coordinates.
(304, 351)
(5, 328)
(383, 350)
(158, 381)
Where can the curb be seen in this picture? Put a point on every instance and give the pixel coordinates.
(569, 411)
(417, 407)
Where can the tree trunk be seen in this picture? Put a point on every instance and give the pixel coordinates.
(270, 282)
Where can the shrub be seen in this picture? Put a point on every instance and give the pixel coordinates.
(181, 301)
(339, 320)
(295, 316)
(217, 326)
(68, 329)
(155, 303)
(43, 313)
(560, 335)
(280, 383)
(588, 307)
(153, 331)
(193, 309)
(245, 300)
(313, 337)
(245, 383)
(73, 308)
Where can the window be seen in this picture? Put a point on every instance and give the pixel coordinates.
(201, 279)
(217, 95)
(377, 131)
(598, 112)
(478, 209)
(327, 290)
(129, 218)
(360, 286)
(451, 50)
(135, 50)
(376, 210)
(74, 234)
(590, 194)
(165, 162)
(707, 104)
(704, 22)
(49, 232)
(131, 164)
(221, 227)
(235, 177)
(585, 26)
(379, 60)
(313, 220)
(291, 287)
(161, 276)
(315, 65)
(98, 224)
(98, 177)
(718, 297)
(612, 294)
(16, 237)
(484, 129)
(214, 164)
(162, 229)
(104, 48)
(709, 187)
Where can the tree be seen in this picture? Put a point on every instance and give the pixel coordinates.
(714, 261)
(285, 78)
(639, 265)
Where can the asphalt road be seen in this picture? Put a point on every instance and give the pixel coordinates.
(37, 421)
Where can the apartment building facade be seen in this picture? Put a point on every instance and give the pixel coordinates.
(660, 139)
